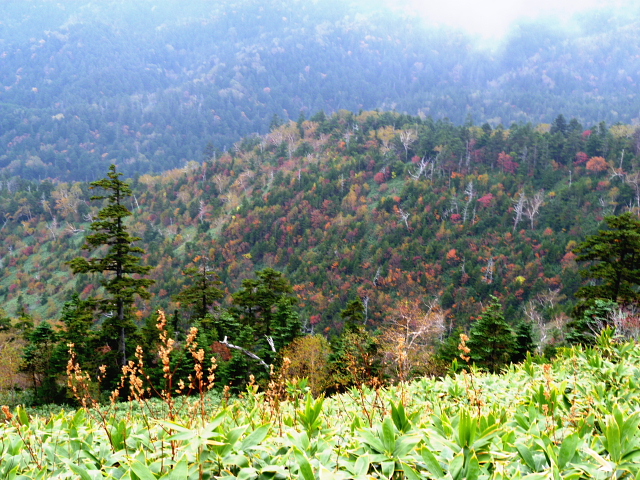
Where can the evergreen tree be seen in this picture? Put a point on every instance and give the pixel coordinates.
(353, 315)
(264, 309)
(203, 292)
(492, 341)
(615, 262)
(37, 362)
(524, 342)
(121, 262)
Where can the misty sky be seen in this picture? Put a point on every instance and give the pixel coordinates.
(492, 18)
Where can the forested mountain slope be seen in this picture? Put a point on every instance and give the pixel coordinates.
(381, 206)
(150, 84)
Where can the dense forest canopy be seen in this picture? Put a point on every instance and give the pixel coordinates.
(377, 206)
(150, 84)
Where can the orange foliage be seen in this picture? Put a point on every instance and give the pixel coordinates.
(597, 164)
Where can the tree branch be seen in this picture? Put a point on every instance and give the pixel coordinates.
(246, 352)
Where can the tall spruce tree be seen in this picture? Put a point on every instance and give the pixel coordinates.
(492, 340)
(119, 263)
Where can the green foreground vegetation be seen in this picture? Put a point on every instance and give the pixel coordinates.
(575, 417)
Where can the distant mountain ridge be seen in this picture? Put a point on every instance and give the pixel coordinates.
(150, 84)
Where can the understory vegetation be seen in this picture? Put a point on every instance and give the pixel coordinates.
(573, 417)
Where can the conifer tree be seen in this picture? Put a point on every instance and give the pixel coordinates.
(204, 291)
(119, 263)
(491, 340)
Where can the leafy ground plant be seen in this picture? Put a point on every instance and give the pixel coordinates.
(535, 421)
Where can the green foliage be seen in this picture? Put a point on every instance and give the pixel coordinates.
(594, 317)
(265, 305)
(492, 340)
(37, 362)
(353, 315)
(203, 291)
(614, 261)
(121, 261)
(354, 359)
(573, 418)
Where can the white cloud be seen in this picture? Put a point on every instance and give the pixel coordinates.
(492, 19)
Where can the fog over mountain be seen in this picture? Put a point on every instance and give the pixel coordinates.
(150, 84)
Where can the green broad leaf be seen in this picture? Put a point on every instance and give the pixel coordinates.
(361, 466)
(303, 464)
(612, 436)
(79, 417)
(12, 474)
(277, 469)
(79, 470)
(485, 437)
(605, 465)
(188, 435)
(631, 455)
(399, 417)
(374, 442)
(234, 435)
(456, 467)
(630, 427)
(256, 437)
(568, 450)
(23, 416)
(247, 473)
(388, 468)
(536, 476)
(300, 440)
(410, 473)
(173, 426)
(405, 444)
(526, 456)
(431, 463)
(142, 471)
(239, 460)
(472, 468)
(180, 470)
(388, 435)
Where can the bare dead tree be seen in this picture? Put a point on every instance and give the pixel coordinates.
(634, 180)
(376, 277)
(533, 206)
(470, 193)
(202, 211)
(488, 273)
(72, 229)
(518, 210)
(52, 227)
(404, 216)
(407, 138)
(422, 167)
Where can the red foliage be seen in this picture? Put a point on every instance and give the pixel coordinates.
(581, 158)
(379, 178)
(485, 200)
(506, 162)
(456, 218)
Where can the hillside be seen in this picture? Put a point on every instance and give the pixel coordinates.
(149, 85)
(380, 206)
